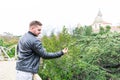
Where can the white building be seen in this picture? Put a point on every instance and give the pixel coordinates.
(98, 22)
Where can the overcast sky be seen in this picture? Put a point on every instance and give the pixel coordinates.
(15, 15)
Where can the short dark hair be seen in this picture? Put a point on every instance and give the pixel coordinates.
(35, 23)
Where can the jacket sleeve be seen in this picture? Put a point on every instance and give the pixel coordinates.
(39, 49)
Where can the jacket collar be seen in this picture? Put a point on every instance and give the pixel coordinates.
(31, 33)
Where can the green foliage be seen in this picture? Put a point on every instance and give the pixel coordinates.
(1, 42)
(54, 43)
(91, 56)
(11, 52)
(88, 55)
(9, 42)
(108, 28)
(88, 30)
(104, 30)
(78, 32)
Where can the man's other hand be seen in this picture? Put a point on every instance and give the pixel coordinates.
(65, 50)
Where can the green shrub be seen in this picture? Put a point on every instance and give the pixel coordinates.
(86, 57)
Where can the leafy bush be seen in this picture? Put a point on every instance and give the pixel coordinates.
(9, 42)
(88, 58)
(1, 42)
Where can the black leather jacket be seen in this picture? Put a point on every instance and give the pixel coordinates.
(30, 50)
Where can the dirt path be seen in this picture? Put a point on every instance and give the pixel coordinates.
(7, 70)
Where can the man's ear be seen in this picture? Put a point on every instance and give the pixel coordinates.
(32, 27)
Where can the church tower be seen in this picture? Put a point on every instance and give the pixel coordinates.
(98, 22)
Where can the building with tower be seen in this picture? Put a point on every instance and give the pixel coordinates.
(98, 22)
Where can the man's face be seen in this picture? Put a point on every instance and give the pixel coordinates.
(37, 30)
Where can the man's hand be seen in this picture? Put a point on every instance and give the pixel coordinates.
(65, 50)
(36, 77)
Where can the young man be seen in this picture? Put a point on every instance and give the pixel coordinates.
(30, 50)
